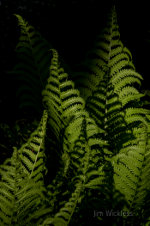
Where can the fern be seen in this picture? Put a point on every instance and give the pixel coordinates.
(132, 170)
(112, 92)
(32, 153)
(82, 161)
(17, 193)
(73, 130)
(32, 69)
(22, 180)
(60, 97)
(63, 217)
(100, 136)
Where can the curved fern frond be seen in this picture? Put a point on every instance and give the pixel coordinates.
(31, 153)
(63, 217)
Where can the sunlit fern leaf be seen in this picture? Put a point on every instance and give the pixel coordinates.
(19, 195)
(60, 97)
(131, 167)
(128, 94)
(109, 54)
(31, 153)
(106, 109)
(125, 77)
(30, 200)
(122, 71)
(10, 176)
(121, 65)
(31, 71)
(113, 92)
(51, 96)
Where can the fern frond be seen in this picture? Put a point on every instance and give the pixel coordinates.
(82, 161)
(132, 170)
(60, 97)
(100, 135)
(32, 68)
(31, 153)
(17, 193)
(64, 216)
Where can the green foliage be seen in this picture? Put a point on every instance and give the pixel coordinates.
(100, 130)
(22, 189)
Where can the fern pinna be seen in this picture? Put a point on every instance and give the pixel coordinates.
(103, 131)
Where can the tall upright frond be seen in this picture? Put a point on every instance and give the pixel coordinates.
(60, 97)
(31, 71)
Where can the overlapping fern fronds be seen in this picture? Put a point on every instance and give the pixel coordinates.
(131, 173)
(84, 151)
(83, 166)
(108, 87)
(113, 101)
(103, 135)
